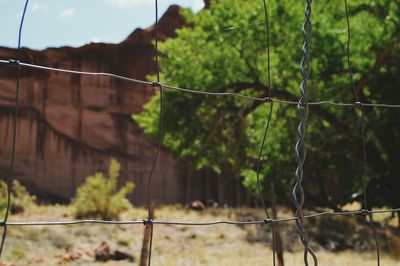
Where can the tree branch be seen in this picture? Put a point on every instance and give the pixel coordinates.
(375, 159)
(285, 95)
(379, 62)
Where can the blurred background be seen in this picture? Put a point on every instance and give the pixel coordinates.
(85, 145)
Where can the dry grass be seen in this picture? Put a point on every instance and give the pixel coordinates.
(173, 245)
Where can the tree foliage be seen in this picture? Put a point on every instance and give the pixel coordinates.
(223, 49)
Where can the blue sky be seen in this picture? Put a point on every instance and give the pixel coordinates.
(53, 23)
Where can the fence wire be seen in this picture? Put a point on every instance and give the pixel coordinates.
(149, 221)
(362, 134)
(264, 138)
(302, 106)
(12, 62)
(14, 132)
(16, 63)
(301, 148)
(362, 212)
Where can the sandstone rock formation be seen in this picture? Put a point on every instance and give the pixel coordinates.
(71, 126)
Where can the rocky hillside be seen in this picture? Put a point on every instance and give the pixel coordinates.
(71, 126)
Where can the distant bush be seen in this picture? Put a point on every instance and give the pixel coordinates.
(99, 198)
(21, 200)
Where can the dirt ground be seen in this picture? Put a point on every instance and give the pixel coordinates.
(192, 245)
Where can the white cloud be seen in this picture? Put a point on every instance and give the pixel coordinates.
(130, 3)
(67, 12)
(35, 7)
(38, 7)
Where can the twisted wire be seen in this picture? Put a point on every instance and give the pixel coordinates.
(362, 132)
(14, 134)
(264, 138)
(301, 149)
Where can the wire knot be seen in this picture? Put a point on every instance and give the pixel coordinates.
(147, 222)
(13, 62)
(268, 99)
(157, 84)
(302, 103)
(365, 212)
(267, 221)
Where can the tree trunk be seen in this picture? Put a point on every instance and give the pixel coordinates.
(189, 188)
(277, 233)
(221, 188)
(144, 255)
(207, 4)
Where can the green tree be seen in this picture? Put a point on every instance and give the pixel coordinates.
(224, 133)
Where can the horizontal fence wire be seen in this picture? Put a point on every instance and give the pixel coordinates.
(12, 62)
(362, 212)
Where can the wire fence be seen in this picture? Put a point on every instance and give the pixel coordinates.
(302, 105)
(16, 64)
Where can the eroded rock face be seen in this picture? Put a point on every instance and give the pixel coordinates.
(71, 126)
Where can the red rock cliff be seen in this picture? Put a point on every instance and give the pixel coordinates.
(71, 126)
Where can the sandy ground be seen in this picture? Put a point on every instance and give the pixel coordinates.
(173, 245)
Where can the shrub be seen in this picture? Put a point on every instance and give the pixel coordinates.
(99, 198)
(21, 200)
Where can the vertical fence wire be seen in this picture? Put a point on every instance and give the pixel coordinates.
(14, 133)
(267, 125)
(158, 85)
(301, 149)
(362, 133)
